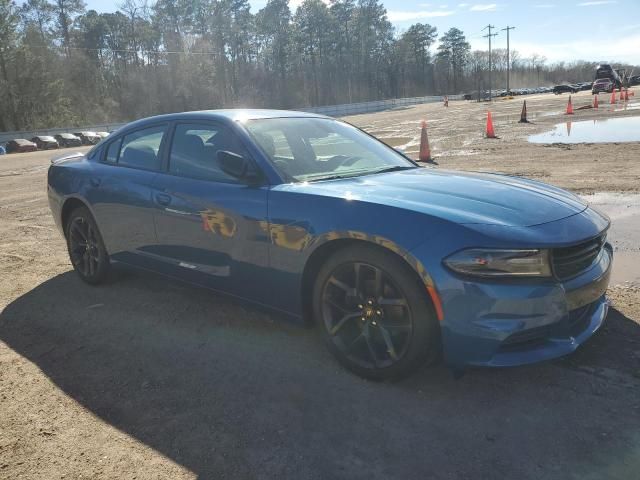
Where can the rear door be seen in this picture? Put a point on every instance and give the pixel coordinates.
(120, 190)
(211, 228)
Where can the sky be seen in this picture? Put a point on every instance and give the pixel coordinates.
(593, 30)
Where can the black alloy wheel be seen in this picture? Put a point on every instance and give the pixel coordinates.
(86, 248)
(375, 314)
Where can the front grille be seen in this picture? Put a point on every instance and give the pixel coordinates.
(571, 261)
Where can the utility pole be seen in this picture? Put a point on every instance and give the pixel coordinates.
(489, 35)
(508, 61)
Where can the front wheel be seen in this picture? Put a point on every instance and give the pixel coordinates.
(86, 249)
(375, 313)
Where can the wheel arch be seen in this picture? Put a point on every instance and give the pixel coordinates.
(69, 205)
(330, 246)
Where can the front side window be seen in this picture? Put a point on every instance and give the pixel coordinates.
(141, 149)
(113, 151)
(308, 149)
(194, 151)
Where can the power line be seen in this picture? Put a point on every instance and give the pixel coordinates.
(508, 62)
(489, 35)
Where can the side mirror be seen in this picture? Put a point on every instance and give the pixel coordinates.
(237, 166)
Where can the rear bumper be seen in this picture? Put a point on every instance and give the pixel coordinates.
(510, 324)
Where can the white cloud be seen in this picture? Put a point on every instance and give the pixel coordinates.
(403, 16)
(484, 7)
(596, 3)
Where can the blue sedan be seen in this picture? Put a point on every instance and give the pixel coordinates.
(311, 217)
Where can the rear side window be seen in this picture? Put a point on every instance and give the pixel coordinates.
(194, 151)
(141, 149)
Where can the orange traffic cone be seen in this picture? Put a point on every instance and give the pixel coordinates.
(613, 96)
(595, 101)
(523, 114)
(621, 94)
(490, 132)
(569, 107)
(425, 150)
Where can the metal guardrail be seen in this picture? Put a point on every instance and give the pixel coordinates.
(329, 110)
(375, 106)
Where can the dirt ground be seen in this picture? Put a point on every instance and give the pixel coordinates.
(149, 378)
(456, 136)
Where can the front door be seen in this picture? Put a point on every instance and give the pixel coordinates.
(211, 228)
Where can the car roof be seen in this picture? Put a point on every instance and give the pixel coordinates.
(234, 114)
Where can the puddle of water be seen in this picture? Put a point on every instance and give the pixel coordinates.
(624, 234)
(625, 129)
(627, 106)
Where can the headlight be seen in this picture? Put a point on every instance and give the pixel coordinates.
(497, 263)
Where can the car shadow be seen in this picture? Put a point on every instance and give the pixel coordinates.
(228, 391)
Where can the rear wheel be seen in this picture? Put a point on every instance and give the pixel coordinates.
(375, 314)
(86, 249)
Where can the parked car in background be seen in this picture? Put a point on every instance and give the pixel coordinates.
(102, 134)
(20, 145)
(45, 142)
(3, 150)
(314, 218)
(558, 89)
(68, 140)
(88, 138)
(635, 80)
(602, 85)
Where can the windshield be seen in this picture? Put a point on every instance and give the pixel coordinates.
(308, 149)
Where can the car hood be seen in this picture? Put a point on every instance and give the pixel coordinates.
(464, 198)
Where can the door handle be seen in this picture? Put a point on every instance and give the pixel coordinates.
(95, 181)
(163, 199)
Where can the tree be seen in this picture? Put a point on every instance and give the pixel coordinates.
(9, 19)
(66, 11)
(273, 28)
(418, 39)
(39, 13)
(454, 53)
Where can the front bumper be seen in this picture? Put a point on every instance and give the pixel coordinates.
(502, 324)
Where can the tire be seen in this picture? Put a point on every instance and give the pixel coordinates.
(86, 248)
(381, 327)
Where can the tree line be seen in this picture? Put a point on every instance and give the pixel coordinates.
(61, 64)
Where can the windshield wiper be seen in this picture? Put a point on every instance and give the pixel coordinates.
(359, 173)
(395, 168)
(335, 177)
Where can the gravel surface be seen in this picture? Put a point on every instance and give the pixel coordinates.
(149, 378)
